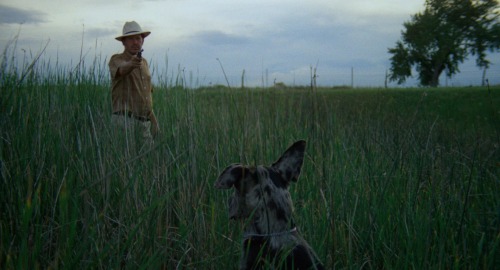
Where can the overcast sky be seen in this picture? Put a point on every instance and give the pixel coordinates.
(272, 40)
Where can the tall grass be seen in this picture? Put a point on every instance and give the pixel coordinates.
(393, 179)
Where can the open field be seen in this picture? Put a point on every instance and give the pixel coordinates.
(396, 179)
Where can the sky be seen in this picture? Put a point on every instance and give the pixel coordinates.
(203, 41)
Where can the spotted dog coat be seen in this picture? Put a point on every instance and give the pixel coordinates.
(261, 198)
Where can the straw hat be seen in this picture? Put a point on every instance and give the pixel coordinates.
(131, 29)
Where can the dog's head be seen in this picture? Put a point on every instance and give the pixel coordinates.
(261, 192)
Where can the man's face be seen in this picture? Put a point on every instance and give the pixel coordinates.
(133, 44)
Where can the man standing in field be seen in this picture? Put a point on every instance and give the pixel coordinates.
(131, 90)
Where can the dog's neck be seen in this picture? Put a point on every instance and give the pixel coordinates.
(264, 229)
(269, 235)
(275, 239)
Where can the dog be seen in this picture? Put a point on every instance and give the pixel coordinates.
(261, 199)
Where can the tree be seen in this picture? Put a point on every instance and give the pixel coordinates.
(443, 36)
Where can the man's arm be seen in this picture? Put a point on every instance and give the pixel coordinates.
(126, 67)
(155, 128)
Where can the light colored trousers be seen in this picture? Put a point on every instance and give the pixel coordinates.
(137, 134)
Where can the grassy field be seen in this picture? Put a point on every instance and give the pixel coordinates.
(394, 179)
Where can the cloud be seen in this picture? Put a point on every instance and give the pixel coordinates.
(10, 15)
(99, 32)
(215, 38)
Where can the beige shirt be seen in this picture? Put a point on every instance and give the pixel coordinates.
(131, 92)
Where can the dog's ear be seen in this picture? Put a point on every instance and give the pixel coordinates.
(290, 163)
(230, 177)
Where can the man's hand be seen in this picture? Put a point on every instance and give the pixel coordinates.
(136, 62)
(128, 66)
(155, 128)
